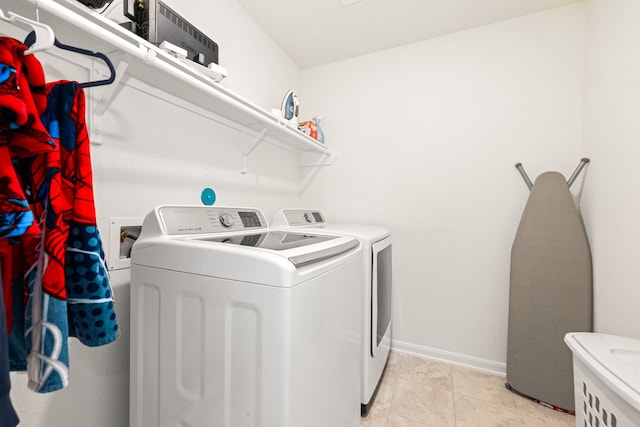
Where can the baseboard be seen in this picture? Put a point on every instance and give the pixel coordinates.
(471, 362)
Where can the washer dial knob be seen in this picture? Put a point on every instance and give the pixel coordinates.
(226, 219)
(308, 217)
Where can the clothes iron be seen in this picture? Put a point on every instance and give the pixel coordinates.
(290, 107)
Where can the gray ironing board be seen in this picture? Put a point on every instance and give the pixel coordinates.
(550, 293)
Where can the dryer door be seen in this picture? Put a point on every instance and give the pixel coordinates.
(381, 296)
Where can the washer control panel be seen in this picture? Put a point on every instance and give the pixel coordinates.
(226, 219)
(179, 220)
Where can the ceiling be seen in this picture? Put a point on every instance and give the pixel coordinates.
(316, 32)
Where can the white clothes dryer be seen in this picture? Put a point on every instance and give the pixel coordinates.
(376, 284)
(234, 325)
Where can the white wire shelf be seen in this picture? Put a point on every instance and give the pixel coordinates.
(163, 71)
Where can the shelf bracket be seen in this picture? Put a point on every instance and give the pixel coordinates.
(109, 91)
(247, 150)
(317, 159)
(101, 97)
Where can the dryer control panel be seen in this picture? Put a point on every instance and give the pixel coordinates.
(181, 220)
(298, 217)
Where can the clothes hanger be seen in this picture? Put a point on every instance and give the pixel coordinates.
(44, 36)
(30, 40)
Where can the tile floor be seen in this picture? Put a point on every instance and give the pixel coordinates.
(417, 392)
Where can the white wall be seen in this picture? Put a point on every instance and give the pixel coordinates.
(611, 135)
(428, 136)
(156, 152)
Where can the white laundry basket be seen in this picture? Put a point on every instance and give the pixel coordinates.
(606, 374)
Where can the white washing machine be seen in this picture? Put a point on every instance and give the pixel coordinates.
(376, 283)
(234, 325)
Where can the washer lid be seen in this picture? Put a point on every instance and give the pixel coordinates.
(614, 359)
(236, 244)
(285, 241)
(274, 240)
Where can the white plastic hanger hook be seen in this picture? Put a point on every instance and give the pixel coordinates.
(44, 34)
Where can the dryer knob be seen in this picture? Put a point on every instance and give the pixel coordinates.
(226, 219)
(308, 217)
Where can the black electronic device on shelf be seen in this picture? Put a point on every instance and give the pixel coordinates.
(154, 21)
